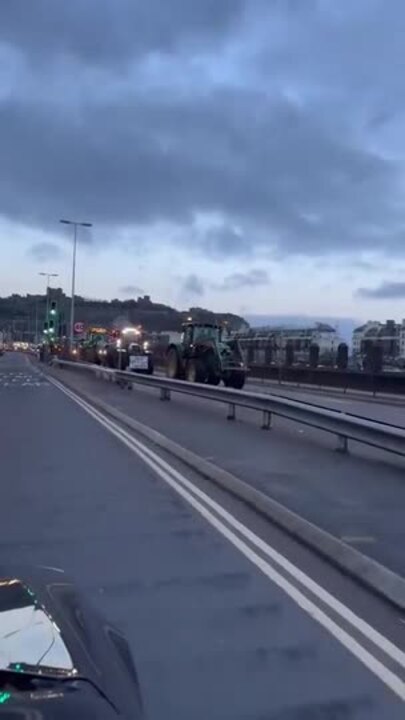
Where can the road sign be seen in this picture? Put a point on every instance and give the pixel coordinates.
(79, 328)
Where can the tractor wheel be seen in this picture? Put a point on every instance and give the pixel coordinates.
(151, 367)
(195, 371)
(213, 372)
(172, 364)
(239, 380)
(235, 380)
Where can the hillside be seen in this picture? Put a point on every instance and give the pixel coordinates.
(20, 315)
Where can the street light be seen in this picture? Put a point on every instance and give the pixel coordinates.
(48, 276)
(72, 305)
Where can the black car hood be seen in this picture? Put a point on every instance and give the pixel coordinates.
(49, 631)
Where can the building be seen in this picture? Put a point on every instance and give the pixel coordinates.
(268, 344)
(402, 341)
(389, 335)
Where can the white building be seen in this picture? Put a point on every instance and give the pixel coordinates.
(389, 335)
(266, 344)
(370, 330)
(402, 340)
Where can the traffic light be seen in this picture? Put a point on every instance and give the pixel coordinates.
(51, 327)
(45, 328)
(53, 308)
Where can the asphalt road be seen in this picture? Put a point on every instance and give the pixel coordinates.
(357, 497)
(218, 630)
(379, 408)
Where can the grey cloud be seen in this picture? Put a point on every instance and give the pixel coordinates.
(192, 285)
(41, 252)
(239, 280)
(131, 290)
(107, 31)
(360, 264)
(223, 241)
(386, 291)
(277, 166)
(113, 168)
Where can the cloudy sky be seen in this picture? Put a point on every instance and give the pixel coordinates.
(243, 155)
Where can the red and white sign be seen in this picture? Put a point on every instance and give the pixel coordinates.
(79, 328)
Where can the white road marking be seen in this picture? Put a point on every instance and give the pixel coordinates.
(19, 379)
(55, 569)
(189, 492)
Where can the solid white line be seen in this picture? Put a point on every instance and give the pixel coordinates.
(373, 664)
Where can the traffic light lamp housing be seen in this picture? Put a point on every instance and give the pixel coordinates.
(53, 308)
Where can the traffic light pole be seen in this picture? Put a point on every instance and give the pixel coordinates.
(48, 277)
(47, 304)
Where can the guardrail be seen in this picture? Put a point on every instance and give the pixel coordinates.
(345, 426)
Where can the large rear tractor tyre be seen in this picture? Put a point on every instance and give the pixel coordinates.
(213, 371)
(239, 381)
(173, 364)
(235, 380)
(195, 371)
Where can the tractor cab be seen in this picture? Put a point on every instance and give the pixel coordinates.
(194, 333)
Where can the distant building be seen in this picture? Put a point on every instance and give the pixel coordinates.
(389, 335)
(267, 344)
(402, 341)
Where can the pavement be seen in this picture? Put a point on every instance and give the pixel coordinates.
(221, 624)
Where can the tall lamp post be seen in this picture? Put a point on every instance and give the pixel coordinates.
(72, 305)
(48, 279)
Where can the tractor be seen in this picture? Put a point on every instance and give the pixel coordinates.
(203, 356)
(128, 351)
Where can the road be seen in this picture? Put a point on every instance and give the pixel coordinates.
(220, 622)
(357, 497)
(383, 409)
(391, 410)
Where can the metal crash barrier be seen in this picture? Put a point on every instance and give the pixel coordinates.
(344, 425)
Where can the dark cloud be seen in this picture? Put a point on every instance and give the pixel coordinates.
(131, 290)
(224, 240)
(109, 31)
(193, 123)
(239, 280)
(192, 285)
(386, 291)
(42, 252)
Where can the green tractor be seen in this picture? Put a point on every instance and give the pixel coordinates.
(203, 356)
